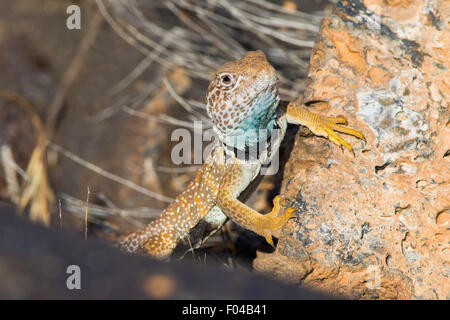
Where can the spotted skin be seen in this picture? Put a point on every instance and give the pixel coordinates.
(242, 98)
(161, 236)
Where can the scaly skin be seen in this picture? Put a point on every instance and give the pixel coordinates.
(242, 98)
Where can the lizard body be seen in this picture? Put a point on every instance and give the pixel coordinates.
(242, 99)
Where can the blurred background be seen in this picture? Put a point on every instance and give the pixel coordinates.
(86, 115)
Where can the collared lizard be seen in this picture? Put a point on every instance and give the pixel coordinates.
(242, 99)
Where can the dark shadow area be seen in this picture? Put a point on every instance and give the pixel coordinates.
(34, 261)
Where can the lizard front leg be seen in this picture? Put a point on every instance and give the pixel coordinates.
(264, 225)
(321, 125)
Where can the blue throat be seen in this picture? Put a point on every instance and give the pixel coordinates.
(259, 125)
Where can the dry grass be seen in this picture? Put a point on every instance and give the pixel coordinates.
(10, 168)
(199, 36)
(36, 192)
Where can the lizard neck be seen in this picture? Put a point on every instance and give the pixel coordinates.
(257, 127)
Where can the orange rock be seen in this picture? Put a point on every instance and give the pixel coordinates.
(375, 225)
(347, 48)
(378, 75)
(331, 81)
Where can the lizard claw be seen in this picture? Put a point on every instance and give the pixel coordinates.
(328, 126)
(274, 222)
(322, 125)
(270, 240)
(276, 209)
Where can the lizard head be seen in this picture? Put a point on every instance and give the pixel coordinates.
(242, 99)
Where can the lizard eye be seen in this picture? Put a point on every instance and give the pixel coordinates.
(226, 79)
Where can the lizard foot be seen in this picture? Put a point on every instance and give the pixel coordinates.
(272, 221)
(326, 126)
